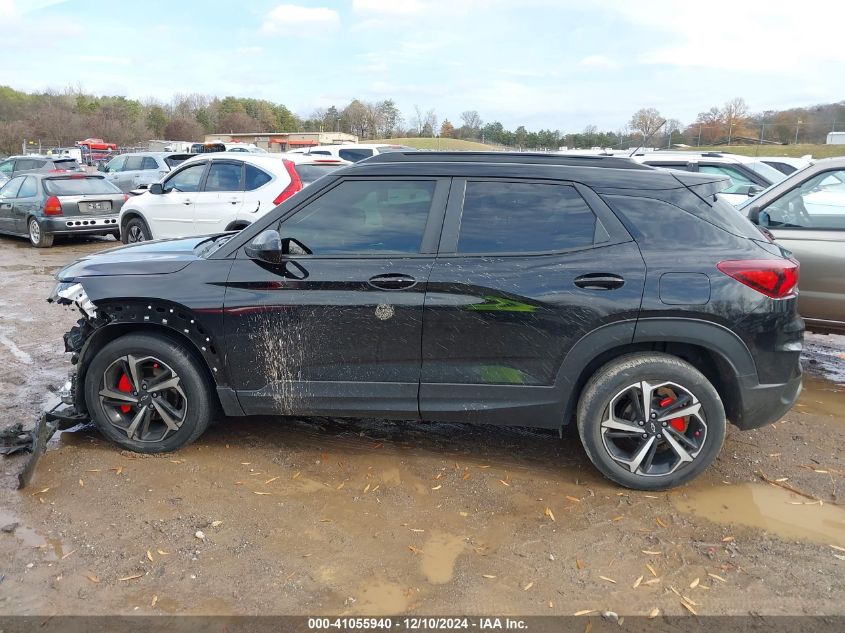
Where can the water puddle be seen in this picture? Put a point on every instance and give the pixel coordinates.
(29, 537)
(439, 555)
(766, 508)
(822, 397)
(382, 598)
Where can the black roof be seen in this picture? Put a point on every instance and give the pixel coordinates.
(525, 158)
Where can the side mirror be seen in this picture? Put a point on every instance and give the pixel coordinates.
(753, 190)
(103, 168)
(156, 188)
(754, 215)
(266, 247)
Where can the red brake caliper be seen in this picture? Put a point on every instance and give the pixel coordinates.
(679, 424)
(126, 387)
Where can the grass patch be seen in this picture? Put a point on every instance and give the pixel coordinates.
(439, 144)
(795, 151)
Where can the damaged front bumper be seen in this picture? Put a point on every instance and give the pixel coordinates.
(60, 418)
(66, 414)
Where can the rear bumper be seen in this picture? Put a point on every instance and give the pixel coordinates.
(81, 224)
(765, 404)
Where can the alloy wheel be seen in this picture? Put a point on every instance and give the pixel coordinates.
(654, 429)
(135, 234)
(143, 398)
(34, 231)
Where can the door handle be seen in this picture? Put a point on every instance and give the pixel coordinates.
(599, 281)
(392, 281)
(186, 202)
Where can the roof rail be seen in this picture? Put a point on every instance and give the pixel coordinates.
(530, 158)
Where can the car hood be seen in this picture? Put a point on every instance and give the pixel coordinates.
(159, 257)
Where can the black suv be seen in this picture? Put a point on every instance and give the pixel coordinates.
(495, 288)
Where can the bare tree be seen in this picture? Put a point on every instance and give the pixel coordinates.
(646, 121)
(471, 122)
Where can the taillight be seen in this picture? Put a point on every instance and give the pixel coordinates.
(294, 185)
(775, 278)
(125, 197)
(53, 206)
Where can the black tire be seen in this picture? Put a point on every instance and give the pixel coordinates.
(37, 236)
(134, 231)
(620, 382)
(191, 412)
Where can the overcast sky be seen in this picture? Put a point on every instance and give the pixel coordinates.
(555, 64)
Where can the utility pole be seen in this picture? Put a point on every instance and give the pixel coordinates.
(730, 131)
(797, 125)
(699, 135)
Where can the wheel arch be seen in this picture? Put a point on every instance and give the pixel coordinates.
(713, 349)
(171, 321)
(130, 215)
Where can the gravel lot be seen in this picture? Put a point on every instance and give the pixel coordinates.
(321, 516)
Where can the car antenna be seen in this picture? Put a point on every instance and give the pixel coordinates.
(646, 138)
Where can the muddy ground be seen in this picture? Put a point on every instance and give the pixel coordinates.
(319, 516)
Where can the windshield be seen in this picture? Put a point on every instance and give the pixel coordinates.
(78, 186)
(766, 171)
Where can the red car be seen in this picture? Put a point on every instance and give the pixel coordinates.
(96, 143)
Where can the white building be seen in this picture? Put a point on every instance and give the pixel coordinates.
(836, 138)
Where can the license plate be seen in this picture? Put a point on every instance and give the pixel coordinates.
(95, 207)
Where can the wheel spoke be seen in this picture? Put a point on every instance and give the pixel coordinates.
(693, 409)
(620, 425)
(634, 464)
(682, 438)
(645, 405)
(169, 383)
(644, 467)
(166, 414)
(132, 364)
(680, 451)
(638, 405)
(139, 417)
(119, 396)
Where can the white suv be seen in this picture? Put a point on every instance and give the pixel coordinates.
(749, 176)
(212, 193)
(352, 152)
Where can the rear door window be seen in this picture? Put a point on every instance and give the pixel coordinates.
(224, 177)
(149, 163)
(29, 163)
(513, 217)
(134, 163)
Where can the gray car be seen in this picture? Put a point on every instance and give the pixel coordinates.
(806, 214)
(133, 171)
(40, 206)
(16, 165)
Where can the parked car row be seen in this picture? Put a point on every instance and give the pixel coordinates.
(217, 192)
(352, 152)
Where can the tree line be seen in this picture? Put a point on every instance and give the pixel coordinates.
(59, 118)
